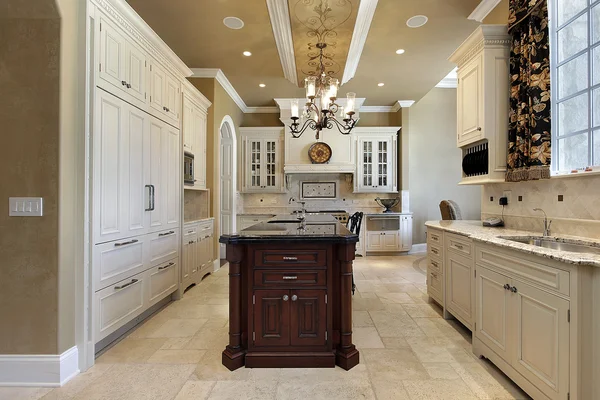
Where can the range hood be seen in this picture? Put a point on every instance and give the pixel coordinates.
(296, 159)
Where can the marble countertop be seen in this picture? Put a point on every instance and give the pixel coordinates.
(315, 228)
(477, 232)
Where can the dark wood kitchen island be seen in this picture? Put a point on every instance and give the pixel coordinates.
(290, 294)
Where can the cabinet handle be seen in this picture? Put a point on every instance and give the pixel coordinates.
(123, 83)
(127, 284)
(286, 297)
(287, 258)
(434, 251)
(435, 264)
(191, 242)
(294, 298)
(166, 266)
(126, 243)
(434, 275)
(458, 246)
(506, 286)
(513, 289)
(290, 278)
(128, 86)
(166, 233)
(149, 208)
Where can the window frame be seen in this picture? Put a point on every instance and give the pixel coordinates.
(554, 29)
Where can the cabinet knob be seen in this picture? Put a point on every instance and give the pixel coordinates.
(286, 297)
(123, 83)
(506, 286)
(479, 128)
(294, 298)
(513, 289)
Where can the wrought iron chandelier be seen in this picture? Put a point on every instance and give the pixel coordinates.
(322, 115)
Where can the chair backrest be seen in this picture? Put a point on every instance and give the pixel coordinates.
(355, 222)
(450, 210)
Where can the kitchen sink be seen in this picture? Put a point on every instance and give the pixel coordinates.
(555, 244)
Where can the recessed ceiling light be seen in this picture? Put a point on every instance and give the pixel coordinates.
(233, 22)
(400, 51)
(417, 21)
(247, 53)
(380, 84)
(262, 85)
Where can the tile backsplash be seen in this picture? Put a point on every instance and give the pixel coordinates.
(195, 205)
(260, 203)
(573, 203)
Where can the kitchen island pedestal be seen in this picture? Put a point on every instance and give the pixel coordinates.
(291, 298)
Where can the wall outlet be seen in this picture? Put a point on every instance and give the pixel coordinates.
(507, 194)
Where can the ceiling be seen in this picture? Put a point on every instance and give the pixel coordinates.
(196, 33)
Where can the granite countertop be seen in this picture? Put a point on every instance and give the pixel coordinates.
(316, 228)
(479, 233)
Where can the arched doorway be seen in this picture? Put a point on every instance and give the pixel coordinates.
(228, 179)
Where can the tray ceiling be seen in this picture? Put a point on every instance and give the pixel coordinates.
(196, 33)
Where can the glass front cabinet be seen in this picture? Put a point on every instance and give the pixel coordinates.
(262, 163)
(377, 162)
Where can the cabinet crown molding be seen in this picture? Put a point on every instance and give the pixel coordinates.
(485, 36)
(196, 95)
(126, 17)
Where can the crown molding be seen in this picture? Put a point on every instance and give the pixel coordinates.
(448, 83)
(124, 15)
(366, 10)
(282, 31)
(485, 36)
(376, 109)
(262, 110)
(220, 77)
(406, 103)
(195, 95)
(483, 9)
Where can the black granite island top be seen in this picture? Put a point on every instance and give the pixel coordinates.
(287, 228)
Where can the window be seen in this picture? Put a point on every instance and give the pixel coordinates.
(575, 60)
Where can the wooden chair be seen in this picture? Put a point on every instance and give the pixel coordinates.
(354, 223)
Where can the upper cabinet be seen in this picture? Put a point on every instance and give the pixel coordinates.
(377, 156)
(483, 103)
(195, 109)
(165, 93)
(262, 160)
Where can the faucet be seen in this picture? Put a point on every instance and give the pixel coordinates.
(303, 209)
(546, 222)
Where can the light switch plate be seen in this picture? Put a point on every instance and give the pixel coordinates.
(25, 207)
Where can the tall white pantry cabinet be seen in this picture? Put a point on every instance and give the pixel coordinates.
(136, 161)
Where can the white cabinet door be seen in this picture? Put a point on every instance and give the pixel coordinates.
(200, 148)
(135, 71)
(173, 99)
(406, 222)
(263, 164)
(470, 102)
(188, 254)
(492, 305)
(170, 182)
(541, 326)
(156, 165)
(112, 55)
(459, 293)
(162, 281)
(158, 87)
(188, 132)
(136, 129)
(374, 241)
(376, 165)
(254, 164)
(391, 241)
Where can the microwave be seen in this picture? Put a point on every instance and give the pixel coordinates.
(188, 168)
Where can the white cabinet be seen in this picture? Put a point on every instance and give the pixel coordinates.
(164, 93)
(435, 265)
(459, 278)
(197, 251)
(262, 160)
(195, 108)
(388, 232)
(470, 103)
(122, 64)
(162, 280)
(377, 155)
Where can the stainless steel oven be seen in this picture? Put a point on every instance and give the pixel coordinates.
(188, 168)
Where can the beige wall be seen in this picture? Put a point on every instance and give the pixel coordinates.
(29, 116)
(269, 119)
(499, 15)
(434, 161)
(380, 119)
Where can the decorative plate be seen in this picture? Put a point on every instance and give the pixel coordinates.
(319, 153)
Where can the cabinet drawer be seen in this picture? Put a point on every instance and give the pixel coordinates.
(162, 281)
(435, 285)
(303, 258)
(118, 304)
(434, 237)
(115, 261)
(524, 267)
(290, 278)
(435, 265)
(190, 231)
(162, 246)
(459, 244)
(434, 250)
(205, 229)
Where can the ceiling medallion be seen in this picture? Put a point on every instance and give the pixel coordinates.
(320, 83)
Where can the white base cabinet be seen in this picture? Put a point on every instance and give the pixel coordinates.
(387, 233)
(197, 250)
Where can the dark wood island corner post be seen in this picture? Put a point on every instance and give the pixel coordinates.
(234, 353)
(346, 354)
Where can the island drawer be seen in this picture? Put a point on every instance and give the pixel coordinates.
(300, 258)
(290, 278)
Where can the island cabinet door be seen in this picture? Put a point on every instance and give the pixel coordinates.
(271, 317)
(308, 318)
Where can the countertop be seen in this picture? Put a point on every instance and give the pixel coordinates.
(198, 221)
(316, 228)
(477, 232)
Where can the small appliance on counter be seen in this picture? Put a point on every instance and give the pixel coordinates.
(188, 168)
(388, 204)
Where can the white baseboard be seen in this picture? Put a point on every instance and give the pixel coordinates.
(43, 370)
(418, 248)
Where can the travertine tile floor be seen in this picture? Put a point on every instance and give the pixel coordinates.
(407, 352)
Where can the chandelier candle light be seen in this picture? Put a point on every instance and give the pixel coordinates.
(322, 116)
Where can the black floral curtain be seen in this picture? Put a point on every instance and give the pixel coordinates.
(529, 137)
